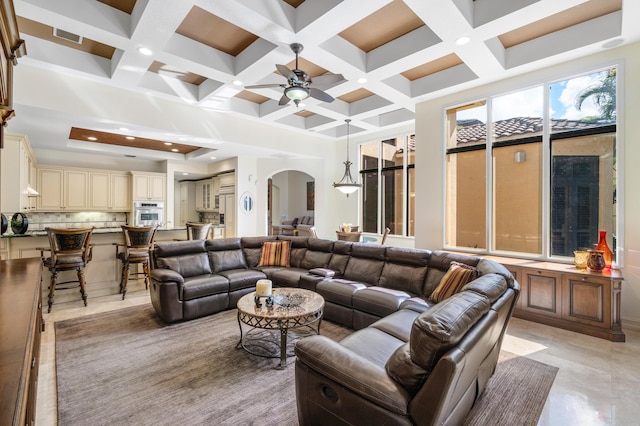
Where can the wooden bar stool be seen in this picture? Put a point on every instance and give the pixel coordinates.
(69, 249)
(138, 241)
(198, 231)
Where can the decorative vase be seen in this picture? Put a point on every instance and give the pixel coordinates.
(5, 224)
(19, 223)
(604, 247)
(580, 258)
(596, 262)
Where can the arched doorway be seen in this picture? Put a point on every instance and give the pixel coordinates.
(291, 194)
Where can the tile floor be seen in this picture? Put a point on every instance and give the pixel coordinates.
(598, 382)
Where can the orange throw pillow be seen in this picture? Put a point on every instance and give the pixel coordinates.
(275, 253)
(453, 280)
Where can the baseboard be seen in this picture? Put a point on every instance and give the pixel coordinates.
(630, 324)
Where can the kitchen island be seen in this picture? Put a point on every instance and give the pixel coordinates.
(103, 271)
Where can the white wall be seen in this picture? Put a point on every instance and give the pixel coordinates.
(430, 158)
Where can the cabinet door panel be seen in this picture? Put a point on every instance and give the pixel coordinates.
(99, 191)
(156, 187)
(75, 190)
(542, 293)
(120, 193)
(587, 300)
(50, 187)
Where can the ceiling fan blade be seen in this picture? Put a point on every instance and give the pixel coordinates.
(286, 72)
(284, 100)
(327, 79)
(319, 94)
(263, 86)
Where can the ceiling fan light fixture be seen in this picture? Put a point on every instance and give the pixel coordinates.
(347, 184)
(296, 93)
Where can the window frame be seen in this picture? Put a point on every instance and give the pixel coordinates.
(547, 138)
(405, 167)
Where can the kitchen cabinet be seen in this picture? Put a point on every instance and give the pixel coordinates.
(109, 191)
(205, 195)
(18, 175)
(228, 214)
(62, 189)
(13, 47)
(149, 186)
(187, 203)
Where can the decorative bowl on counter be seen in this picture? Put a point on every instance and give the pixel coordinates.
(5, 224)
(19, 223)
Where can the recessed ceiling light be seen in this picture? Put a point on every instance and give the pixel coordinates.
(174, 150)
(185, 174)
(182, 139)
(212, 158)
(237, 82)
(362, 80)
(462, 40)
(92, 138)
(130, 138)
(123, 129)
(168, 143)
(145, 51)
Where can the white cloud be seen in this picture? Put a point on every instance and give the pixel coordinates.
(526, 103)
(570, 92)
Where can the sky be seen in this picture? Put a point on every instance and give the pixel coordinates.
(529, 102)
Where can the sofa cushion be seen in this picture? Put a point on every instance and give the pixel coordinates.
(379, 301)
(340, 256)
(275, 253)
(437, 330)
(204, 285)
(188, 265)
(227, 259)
(491, 285)
(404, 371)
(452, 282)
(287, 277)
(405, 269)
(439, 264)
(242, 278)
(366, 263)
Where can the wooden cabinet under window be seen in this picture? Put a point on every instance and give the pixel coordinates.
(562, 296)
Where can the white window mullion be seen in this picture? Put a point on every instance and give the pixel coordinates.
(546, 175)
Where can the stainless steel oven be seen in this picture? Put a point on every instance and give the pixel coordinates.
(148, 213)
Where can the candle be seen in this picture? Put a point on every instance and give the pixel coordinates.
(263, 288)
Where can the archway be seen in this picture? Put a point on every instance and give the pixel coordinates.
(291, 195)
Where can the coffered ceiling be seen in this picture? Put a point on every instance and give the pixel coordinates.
(392, 53)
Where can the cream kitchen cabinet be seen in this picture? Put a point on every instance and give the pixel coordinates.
(148, 186)
(62, 189)
(109, 191)
(18, 175)
(205, 195)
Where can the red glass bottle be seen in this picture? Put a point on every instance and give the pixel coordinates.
(602, 245)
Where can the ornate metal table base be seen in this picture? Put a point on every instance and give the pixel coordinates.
(272, 330)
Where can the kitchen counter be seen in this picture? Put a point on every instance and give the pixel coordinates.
(118, 230)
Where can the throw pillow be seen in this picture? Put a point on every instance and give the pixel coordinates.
(453, 280)
(275, 253)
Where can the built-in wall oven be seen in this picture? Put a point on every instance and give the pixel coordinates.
(148, 213)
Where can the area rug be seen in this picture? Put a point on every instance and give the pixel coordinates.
(127, 367)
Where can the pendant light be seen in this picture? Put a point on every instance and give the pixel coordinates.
(347, 185)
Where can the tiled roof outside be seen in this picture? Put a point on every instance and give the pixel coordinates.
(473, 131)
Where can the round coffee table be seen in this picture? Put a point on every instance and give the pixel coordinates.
(294, 309)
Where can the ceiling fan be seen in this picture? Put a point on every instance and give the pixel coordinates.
(300, 86)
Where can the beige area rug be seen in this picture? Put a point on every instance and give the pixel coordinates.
(127, 367)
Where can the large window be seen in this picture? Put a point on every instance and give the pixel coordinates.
(388, 193)
(538, 204)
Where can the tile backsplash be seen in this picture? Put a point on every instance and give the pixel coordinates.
(39, 221)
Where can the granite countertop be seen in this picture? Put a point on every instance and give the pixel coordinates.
(117, 230)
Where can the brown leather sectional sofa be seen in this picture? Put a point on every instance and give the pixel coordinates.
(412, 361)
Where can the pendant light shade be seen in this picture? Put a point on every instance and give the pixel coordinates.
(347, 184)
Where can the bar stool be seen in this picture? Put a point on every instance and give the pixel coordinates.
(69, 249)
(198, 231)
(138, 241)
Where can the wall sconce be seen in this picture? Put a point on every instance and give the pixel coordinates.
(520, 157)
